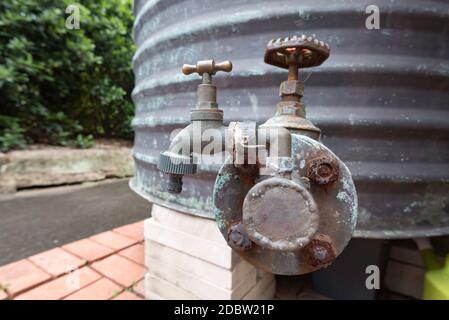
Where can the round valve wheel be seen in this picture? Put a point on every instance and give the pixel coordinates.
(300, 51)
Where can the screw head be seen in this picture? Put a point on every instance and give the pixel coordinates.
(323, 170)
(237, 238)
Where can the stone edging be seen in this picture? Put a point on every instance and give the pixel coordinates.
(57, 166)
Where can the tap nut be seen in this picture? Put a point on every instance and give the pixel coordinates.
(291, 87)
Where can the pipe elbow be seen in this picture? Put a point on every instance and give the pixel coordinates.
(279, 142)
(182, 142)
(177, 160)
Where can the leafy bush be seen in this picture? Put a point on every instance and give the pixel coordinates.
(61, 85)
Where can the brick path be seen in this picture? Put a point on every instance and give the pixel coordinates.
(109, 265)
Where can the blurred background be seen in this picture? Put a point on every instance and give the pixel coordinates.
(65, 114)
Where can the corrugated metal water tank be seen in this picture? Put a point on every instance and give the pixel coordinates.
(381, 99)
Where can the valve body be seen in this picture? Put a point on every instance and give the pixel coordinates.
(297, 220)
(282, 200)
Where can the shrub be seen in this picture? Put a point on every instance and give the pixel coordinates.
(63, 86)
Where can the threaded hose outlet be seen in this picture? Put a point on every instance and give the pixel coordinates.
(174, 184)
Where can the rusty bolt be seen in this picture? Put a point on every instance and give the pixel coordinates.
(238, 238)
(323, 170)
(320, 252)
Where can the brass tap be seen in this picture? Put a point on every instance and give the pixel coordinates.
(207, 92)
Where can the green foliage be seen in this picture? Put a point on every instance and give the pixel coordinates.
(12, 136)
(64, 86)
(83, 142)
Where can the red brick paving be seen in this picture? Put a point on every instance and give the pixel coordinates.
(56, 261)
(62, 286)
(21, 275)
(121, 270)
(113, 240)
(135, 253)
(114, 269)
(88, 250)
(126, 295)
(139, 288)
(3, 295)
(102, 289)
(134, 230)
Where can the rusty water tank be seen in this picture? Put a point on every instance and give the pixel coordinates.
(381, 99)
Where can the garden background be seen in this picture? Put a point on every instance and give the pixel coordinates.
(64, 86)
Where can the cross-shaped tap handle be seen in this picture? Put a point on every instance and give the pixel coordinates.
(207, 66)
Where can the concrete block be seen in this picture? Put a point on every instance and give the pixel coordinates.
(219, 276)
(210, 251)
(157, 287)
(153, 296)
(198, 286)
(405, 279)
(194, 225)
(264, 289)
(407, 255)
(187, 258)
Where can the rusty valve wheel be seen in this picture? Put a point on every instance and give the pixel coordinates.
(299, 51)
